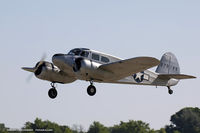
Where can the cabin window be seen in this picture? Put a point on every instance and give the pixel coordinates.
(104, 59)
(84, 53)
(95, 57)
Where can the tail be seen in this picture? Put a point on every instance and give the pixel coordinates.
(169, 68)
(169, 71)
(168, 64)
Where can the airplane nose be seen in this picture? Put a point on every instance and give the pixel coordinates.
(63, 61)
(57, 57)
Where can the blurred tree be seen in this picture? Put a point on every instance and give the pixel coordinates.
(97, 127)
(3, 129)
(187, 120)
(162, 130)
(46, 126)
(132, 127)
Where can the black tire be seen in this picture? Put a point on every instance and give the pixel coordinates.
(52, 93)
(91, 90)
(170, 91)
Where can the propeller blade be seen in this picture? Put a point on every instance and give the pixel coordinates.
(44, 56)
(29, 69)
(28, 79)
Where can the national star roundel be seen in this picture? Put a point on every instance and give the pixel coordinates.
(139, 77)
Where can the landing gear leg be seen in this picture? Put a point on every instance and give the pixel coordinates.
(170, 91)
(91, 90)
(52, 92)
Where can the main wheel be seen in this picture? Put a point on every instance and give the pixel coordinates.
(91, 90)
(52, 93)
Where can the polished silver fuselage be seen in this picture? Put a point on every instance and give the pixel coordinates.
(93, 66)
(89, 71)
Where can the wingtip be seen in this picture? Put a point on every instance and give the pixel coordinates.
(193, 77)
(154, 60)
(157, 61)
(190, 77)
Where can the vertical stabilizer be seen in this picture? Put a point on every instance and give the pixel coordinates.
(168, 64)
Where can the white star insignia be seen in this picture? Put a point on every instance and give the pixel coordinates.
(139, 76)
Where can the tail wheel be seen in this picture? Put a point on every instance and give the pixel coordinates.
(52, 93)
(170, 91)
(91, 90)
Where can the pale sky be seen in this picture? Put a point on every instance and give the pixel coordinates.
(122, 28)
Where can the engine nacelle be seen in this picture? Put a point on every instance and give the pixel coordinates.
(48, 71)
(87, 65)
(86, 69)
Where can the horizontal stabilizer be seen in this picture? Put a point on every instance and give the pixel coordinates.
(175, 76)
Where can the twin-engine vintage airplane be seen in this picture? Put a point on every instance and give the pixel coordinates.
(93, 66)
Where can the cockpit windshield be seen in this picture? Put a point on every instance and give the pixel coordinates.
(81, 52)
(84, 53)
(74, 52)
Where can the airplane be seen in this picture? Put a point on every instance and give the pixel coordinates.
(93, 66)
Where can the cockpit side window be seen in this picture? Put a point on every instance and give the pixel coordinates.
(104, 59)
(95, 57)
(84, 53)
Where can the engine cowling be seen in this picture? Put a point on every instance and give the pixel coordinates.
(48, 71)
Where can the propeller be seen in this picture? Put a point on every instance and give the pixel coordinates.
(37, 69)
(28, 79)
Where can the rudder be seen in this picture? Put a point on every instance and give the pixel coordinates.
(168, 64)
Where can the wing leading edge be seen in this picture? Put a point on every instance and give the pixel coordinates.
(125, 68)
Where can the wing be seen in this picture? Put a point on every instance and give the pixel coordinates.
(124, 68)
(175, 76)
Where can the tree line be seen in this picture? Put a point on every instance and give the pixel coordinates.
(187, 120)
